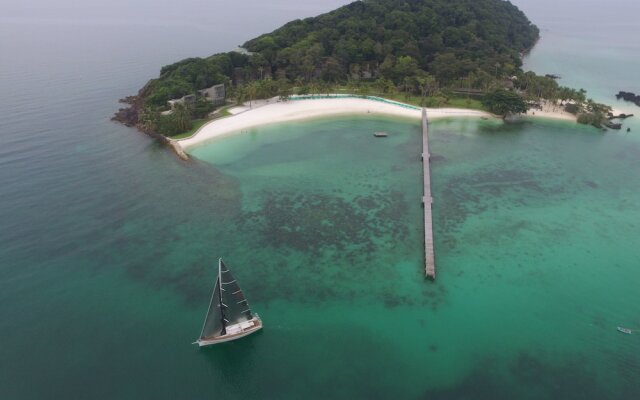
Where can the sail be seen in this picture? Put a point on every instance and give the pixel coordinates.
(213, 325)
(234, 305)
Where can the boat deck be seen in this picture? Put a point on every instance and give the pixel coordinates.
(243, 329)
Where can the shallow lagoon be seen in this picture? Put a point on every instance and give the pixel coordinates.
(535, 240)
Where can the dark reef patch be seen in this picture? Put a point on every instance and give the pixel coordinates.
(315, 223)
(591, 184)
(486, 189)
(316, 247)
(527, 377)
(146, 249)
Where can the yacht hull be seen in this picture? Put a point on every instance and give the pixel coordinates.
(257, 325)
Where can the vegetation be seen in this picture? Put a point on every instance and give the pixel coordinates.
(592, 113)
(504, 102)
(397, 39)
(426, 52)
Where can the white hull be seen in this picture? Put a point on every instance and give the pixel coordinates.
(256, 326)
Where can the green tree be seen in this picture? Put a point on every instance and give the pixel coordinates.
(148, 119)
(405, 67)
(426, 83)
(252, 91)
(182, 117)
(504, 102)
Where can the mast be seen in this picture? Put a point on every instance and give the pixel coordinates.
(222, 305)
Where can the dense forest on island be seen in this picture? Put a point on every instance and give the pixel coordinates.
(427, 52)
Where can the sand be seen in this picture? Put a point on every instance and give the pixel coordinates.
(275, 111)
(551, 110)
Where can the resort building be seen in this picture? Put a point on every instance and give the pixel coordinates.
(187, 100)
(215, 94)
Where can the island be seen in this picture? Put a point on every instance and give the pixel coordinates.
(435, 54)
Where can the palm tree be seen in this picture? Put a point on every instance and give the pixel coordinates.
(299, 82)
(425, 83)
(182, 117)
(252, 90)
(241, 95)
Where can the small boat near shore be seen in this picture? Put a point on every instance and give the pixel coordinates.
(229, 316)
(380, 134)
(624, 330)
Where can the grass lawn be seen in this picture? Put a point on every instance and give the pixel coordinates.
(197, 123)
(453, 101)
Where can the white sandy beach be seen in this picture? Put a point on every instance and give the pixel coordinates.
(262, 112)
(274, 112)
(556, 111)
(553, 111)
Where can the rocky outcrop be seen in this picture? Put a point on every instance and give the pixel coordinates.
(175, 146)
(628, 96)
(613, 125)
(129, 115)
(621, 116)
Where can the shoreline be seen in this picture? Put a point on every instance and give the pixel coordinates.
(551, 110)
(274, 111)
(271, 111)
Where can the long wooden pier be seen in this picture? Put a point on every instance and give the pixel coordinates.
(427, 200)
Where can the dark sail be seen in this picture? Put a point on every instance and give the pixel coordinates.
(235, 308)
(213, 325)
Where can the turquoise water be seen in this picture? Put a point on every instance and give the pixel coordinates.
(536, 227)
(108, 242)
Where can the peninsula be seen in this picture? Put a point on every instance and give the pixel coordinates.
(427, 53)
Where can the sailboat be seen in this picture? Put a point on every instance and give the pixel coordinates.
(229, 316)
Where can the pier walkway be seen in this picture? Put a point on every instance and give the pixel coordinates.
(427, 200)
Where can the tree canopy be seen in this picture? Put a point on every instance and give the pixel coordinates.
(370, 39)
(447, 38)
(504, 102)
